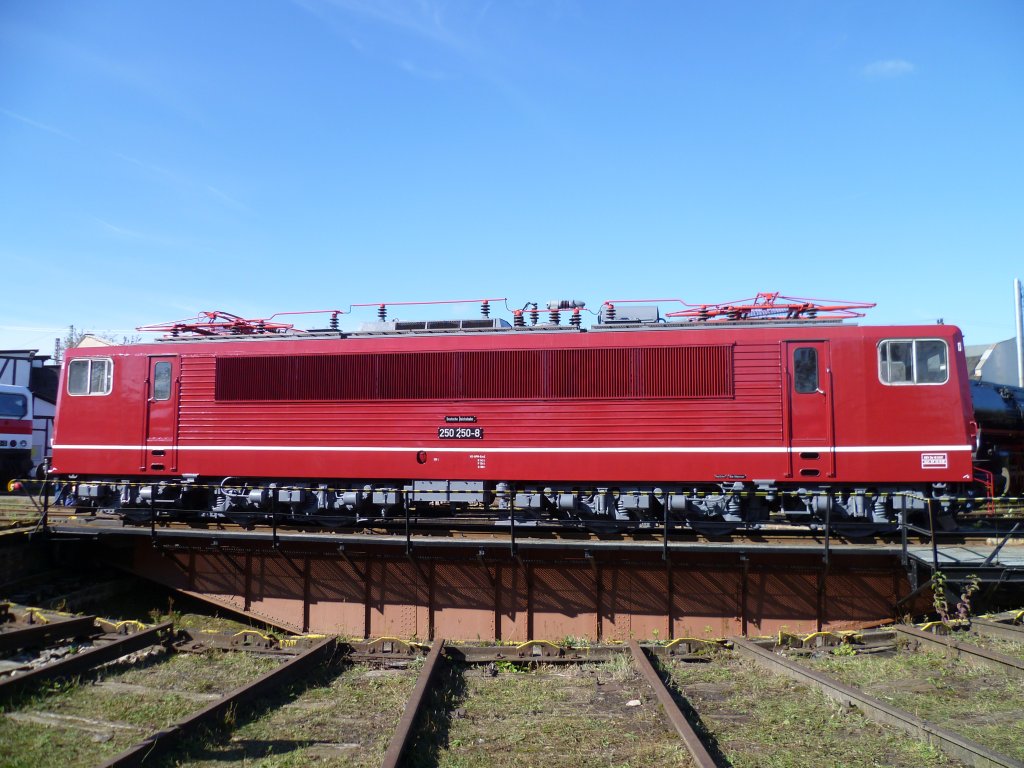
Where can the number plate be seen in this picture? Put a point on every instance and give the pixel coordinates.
(460, 433)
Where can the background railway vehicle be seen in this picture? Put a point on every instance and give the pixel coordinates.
(712, 415)
(15, 432)
(999, 412)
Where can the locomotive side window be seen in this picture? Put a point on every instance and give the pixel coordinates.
(931, 361)
(162, 381)
(90, 376)
(913, 361)
(896, 362)
(805, 370)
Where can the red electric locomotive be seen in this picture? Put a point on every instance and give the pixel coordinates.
(720, 413)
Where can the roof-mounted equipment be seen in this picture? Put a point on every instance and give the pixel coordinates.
(773, 307)
(634, 314)
(218, 323)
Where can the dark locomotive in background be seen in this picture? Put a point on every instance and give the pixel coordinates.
(725, 414)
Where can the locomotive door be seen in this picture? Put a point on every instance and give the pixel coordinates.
(161, 414)
(809, 387)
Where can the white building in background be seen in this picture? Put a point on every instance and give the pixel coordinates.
(995, 363)
(90, 340)
(27, 368)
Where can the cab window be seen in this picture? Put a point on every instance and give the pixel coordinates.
(913, 361)
(90, 376)
(13, 406)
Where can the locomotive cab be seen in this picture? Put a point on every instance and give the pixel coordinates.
(15, 432)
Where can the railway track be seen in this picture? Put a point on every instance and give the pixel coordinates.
(314, 661)
(996, 526)
(698, 694)
(456, 530)
(1006, 627)
(393, 703)
(864, 735)
(961, 698)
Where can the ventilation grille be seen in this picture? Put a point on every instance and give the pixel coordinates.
(404, 326)
(651, 372)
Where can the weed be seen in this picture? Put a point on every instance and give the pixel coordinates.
(1008, 647)
(979, 703)
(963, 607)
(767, 721)
(572, 715)
(939, 601)
(619, 667)
(572, 641)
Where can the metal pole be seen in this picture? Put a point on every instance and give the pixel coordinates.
(45, 517)
(903, 536)
(935, 543)
(828, 527)
(988, 560)
(664, 551)
(408, 528)
(512, 526)
(1018, 299)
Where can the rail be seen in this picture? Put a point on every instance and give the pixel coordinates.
(701, 757)
(952, 647)
(170, 736)
(951, 743)
(998, 629)
(402, 737)
(81, 662)
(44, 634)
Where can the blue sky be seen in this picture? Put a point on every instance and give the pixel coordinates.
(158, 159)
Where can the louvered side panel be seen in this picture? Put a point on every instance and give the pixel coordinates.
(655, 372)
(487, 383)
(500, 375)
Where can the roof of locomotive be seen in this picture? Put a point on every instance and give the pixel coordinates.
(301, 335)
(618, 315)
(766, 315)
(597, 335)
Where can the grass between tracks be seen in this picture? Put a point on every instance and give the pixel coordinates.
(978, 702)
(547, 717)
(85, 723)
(16, 512)
(997, 644)
(759, 720)
(336, 716)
